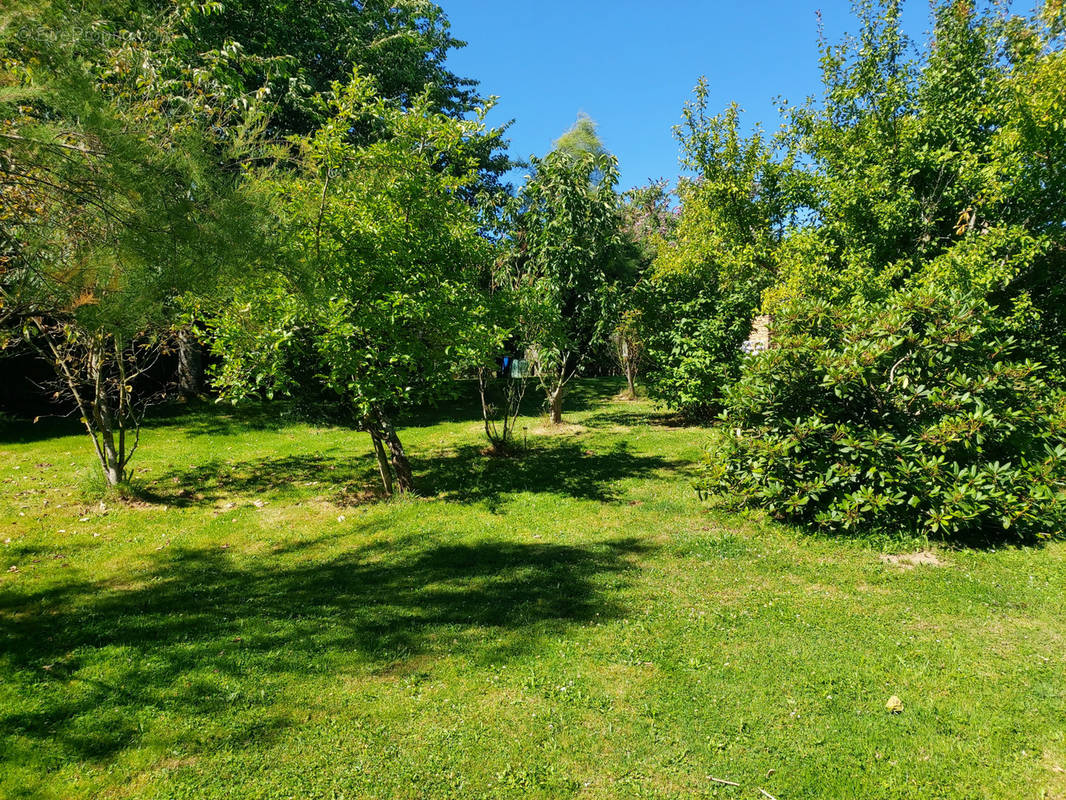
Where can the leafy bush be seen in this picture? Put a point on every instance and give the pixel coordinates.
(693, 331)
(915, 415)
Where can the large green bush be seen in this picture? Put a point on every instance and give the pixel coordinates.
(913, 415)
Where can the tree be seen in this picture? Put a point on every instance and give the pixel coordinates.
(629, 348)
(915, 415)
(109, 212)
(233, 69)
(701, 293)
(938, 171)
(649, 223)
(915, 379)
(374, 294)
(565, 255)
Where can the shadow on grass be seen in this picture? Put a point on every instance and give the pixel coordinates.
(15, 430)
(200, 629)
(197, 418)
(563, 468)
(584, 394)
(284, 475)
(204, 418)
(636, 418)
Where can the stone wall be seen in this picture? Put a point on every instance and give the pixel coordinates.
(759, 339)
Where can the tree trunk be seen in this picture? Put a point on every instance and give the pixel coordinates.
(190, 364)
(113, 462)
(630, 381)
(383, 461)
(112, 457)
(555, 401)
(401, 467)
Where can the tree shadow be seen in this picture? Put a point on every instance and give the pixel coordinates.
(201, 627)
(636, 418)
(465, 475)
(281, 476)
(16, 430)
(203, 418)
(565, 468)
(582, 395)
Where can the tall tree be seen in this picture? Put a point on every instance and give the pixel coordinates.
(113, 213)
(649, 223)
(700, 295)
(916, 378)
(242, 68)
(942, 169)
(374, 292)
(566, 253)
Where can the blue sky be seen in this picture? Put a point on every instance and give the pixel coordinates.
(631, 65)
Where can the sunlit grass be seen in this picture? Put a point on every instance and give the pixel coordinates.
(571, 623)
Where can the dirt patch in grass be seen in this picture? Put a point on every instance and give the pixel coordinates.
(926, 558)
(352, 496)
(563, 428)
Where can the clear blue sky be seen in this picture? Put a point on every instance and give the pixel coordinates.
(631, 65)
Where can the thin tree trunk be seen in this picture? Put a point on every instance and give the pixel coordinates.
(105, 419)
(190, 364)
(629, 367)
(401, 467)
(482, 386)
(87, 415)
(383, 461)
(555, 397)
(555, 400)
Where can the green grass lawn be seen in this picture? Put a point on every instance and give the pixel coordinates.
(572, 623)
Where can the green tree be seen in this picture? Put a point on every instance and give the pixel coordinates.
(943, 170)
(565, 257)
(108, 215)
(701, 293)
(237, 69)
(649, 224)
(915, 376)
(582, 137)
(374, 293)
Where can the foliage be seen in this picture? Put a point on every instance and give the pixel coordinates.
(700, 296)
(374, 293)
(942, 170)
(649, 219)
(109, 212)
(629, 348)
(501, 403)
(582, 137)
(297, 51)
(914, 379)
(567, 256)
(916, 416)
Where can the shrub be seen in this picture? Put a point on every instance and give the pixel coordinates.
(913, 415)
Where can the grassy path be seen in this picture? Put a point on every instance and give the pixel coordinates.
(570, 624)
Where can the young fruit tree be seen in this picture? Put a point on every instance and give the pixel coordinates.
(566, 255)
(372, 300)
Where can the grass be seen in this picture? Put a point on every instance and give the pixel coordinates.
(572, 623)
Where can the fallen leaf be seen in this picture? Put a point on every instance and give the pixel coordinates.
(894, 704)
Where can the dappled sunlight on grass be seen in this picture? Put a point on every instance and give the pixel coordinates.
(256, 621)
